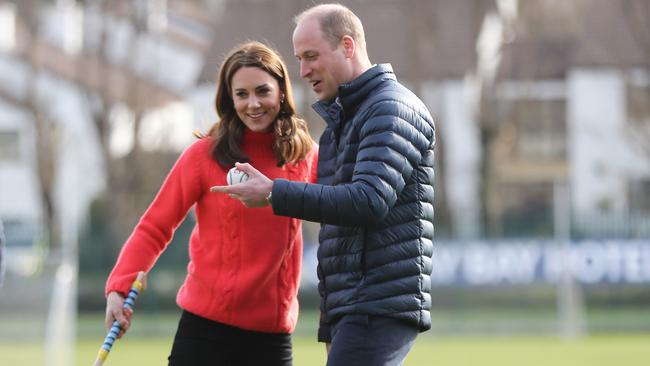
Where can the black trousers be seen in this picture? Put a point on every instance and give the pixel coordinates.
(203, 342)
(368, 340)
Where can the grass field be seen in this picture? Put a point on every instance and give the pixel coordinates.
(628, 350)
(150, 338)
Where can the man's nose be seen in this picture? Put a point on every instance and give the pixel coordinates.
(305, 70)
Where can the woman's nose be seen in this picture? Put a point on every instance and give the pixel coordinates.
(253, 102)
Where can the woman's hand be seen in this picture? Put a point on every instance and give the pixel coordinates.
(115, 311)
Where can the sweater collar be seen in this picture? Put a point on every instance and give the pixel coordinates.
(257, 138)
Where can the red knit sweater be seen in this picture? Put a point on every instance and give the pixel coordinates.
(245, 263)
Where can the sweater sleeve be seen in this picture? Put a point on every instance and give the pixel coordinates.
(390, 148)
(178, 193)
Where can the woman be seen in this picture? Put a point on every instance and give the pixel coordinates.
(239, 298)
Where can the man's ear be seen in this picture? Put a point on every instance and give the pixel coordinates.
(349, 46)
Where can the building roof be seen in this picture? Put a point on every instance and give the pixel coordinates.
(422, 39)
(551, 37)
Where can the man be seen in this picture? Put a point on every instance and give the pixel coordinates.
(374, 196)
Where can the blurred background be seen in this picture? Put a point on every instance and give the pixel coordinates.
(542, 176)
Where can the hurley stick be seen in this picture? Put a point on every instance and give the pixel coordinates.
(136, 288)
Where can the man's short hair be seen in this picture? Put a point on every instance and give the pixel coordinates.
(336, 21)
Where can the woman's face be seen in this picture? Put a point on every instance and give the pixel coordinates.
(256, 95)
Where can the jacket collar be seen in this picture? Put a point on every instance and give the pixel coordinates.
(350, 95)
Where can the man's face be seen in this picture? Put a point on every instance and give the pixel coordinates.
(323, 67)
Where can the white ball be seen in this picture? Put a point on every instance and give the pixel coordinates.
(235, 176)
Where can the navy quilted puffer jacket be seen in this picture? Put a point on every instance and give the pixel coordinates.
(374, 199)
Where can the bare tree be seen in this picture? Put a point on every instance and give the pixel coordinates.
(132, 179)
(637, 19)
(535, 45)
(47, 132)
(124, 174)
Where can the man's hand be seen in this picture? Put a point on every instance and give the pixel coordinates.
(253, 192)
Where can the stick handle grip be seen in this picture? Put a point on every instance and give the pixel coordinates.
(136, 288)
(100, 361)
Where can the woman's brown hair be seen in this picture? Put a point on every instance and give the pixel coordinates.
(291, 141)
